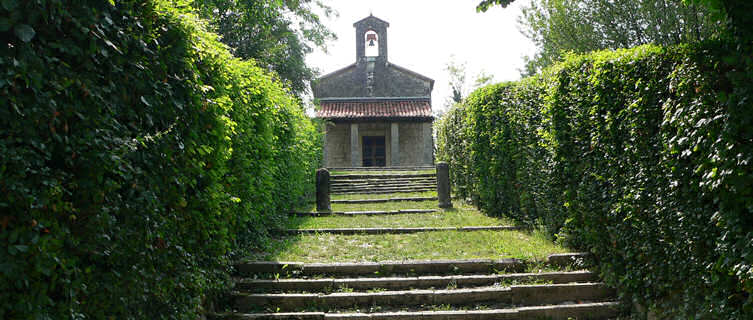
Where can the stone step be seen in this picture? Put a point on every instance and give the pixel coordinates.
(364, 213)
(383, 190)
(382, 181)
(404, 185)
(352, 269)
(592, 310)
(386, 191)
(398, 168)
(398, 184)
(382, 176)
(379, 185)
(405, 283)
(520, 295)
(378, 188)
(351, 231)
(572, 259)
(386, 200)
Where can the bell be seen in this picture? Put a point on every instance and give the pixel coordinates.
(371, 37)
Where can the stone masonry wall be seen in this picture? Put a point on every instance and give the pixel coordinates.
(337, 145)
(416, 146)
(412, 147)
(389, 81)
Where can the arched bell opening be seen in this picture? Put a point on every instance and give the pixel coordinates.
(372, 43)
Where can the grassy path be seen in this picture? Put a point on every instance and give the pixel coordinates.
(460, 216)
(431, 275)
(421, 246)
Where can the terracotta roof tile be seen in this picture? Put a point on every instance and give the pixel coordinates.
(390, 109)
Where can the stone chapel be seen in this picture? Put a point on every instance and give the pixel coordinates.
(376, 113)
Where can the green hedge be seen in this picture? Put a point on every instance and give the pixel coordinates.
(642, 156)
(137, 155)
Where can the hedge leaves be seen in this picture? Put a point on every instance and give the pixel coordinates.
(137, 155)
(641, 156)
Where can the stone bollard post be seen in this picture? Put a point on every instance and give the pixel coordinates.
(443, 185)
(322, 190)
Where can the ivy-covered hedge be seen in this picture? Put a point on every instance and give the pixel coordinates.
(137, 154)
(642, 156)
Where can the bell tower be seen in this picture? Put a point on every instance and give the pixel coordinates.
(371, 39)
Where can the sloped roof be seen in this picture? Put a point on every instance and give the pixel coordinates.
(391, 109)
(371, 17)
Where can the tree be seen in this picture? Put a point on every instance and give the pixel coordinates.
(457, 81)
(559, 26)
(456, 71)
(737, 15)
(277, 34)
(486, 4)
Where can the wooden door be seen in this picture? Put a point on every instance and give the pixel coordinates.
(374, 152)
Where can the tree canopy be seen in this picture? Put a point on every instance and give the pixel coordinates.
(559, 26)
(486, 4)
(276, 33)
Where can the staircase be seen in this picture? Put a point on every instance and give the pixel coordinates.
(446, 289)
(382, 183)
(430, 289)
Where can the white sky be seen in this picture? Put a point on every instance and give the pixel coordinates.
(425, 34)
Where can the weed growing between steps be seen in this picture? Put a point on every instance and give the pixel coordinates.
(450, 286)
(382, 309)
(421, 246)
(459, 216)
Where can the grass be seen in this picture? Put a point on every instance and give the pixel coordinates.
(461, 215)
(420, 246)
(385, 206)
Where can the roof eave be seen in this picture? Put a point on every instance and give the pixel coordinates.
(416, 74)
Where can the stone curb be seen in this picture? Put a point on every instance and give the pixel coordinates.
(527, 295)
(363, 213)
(385, 200)
(353, 231)
(387, 267)
(401, 283)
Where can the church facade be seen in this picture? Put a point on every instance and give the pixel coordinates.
(376, 113)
